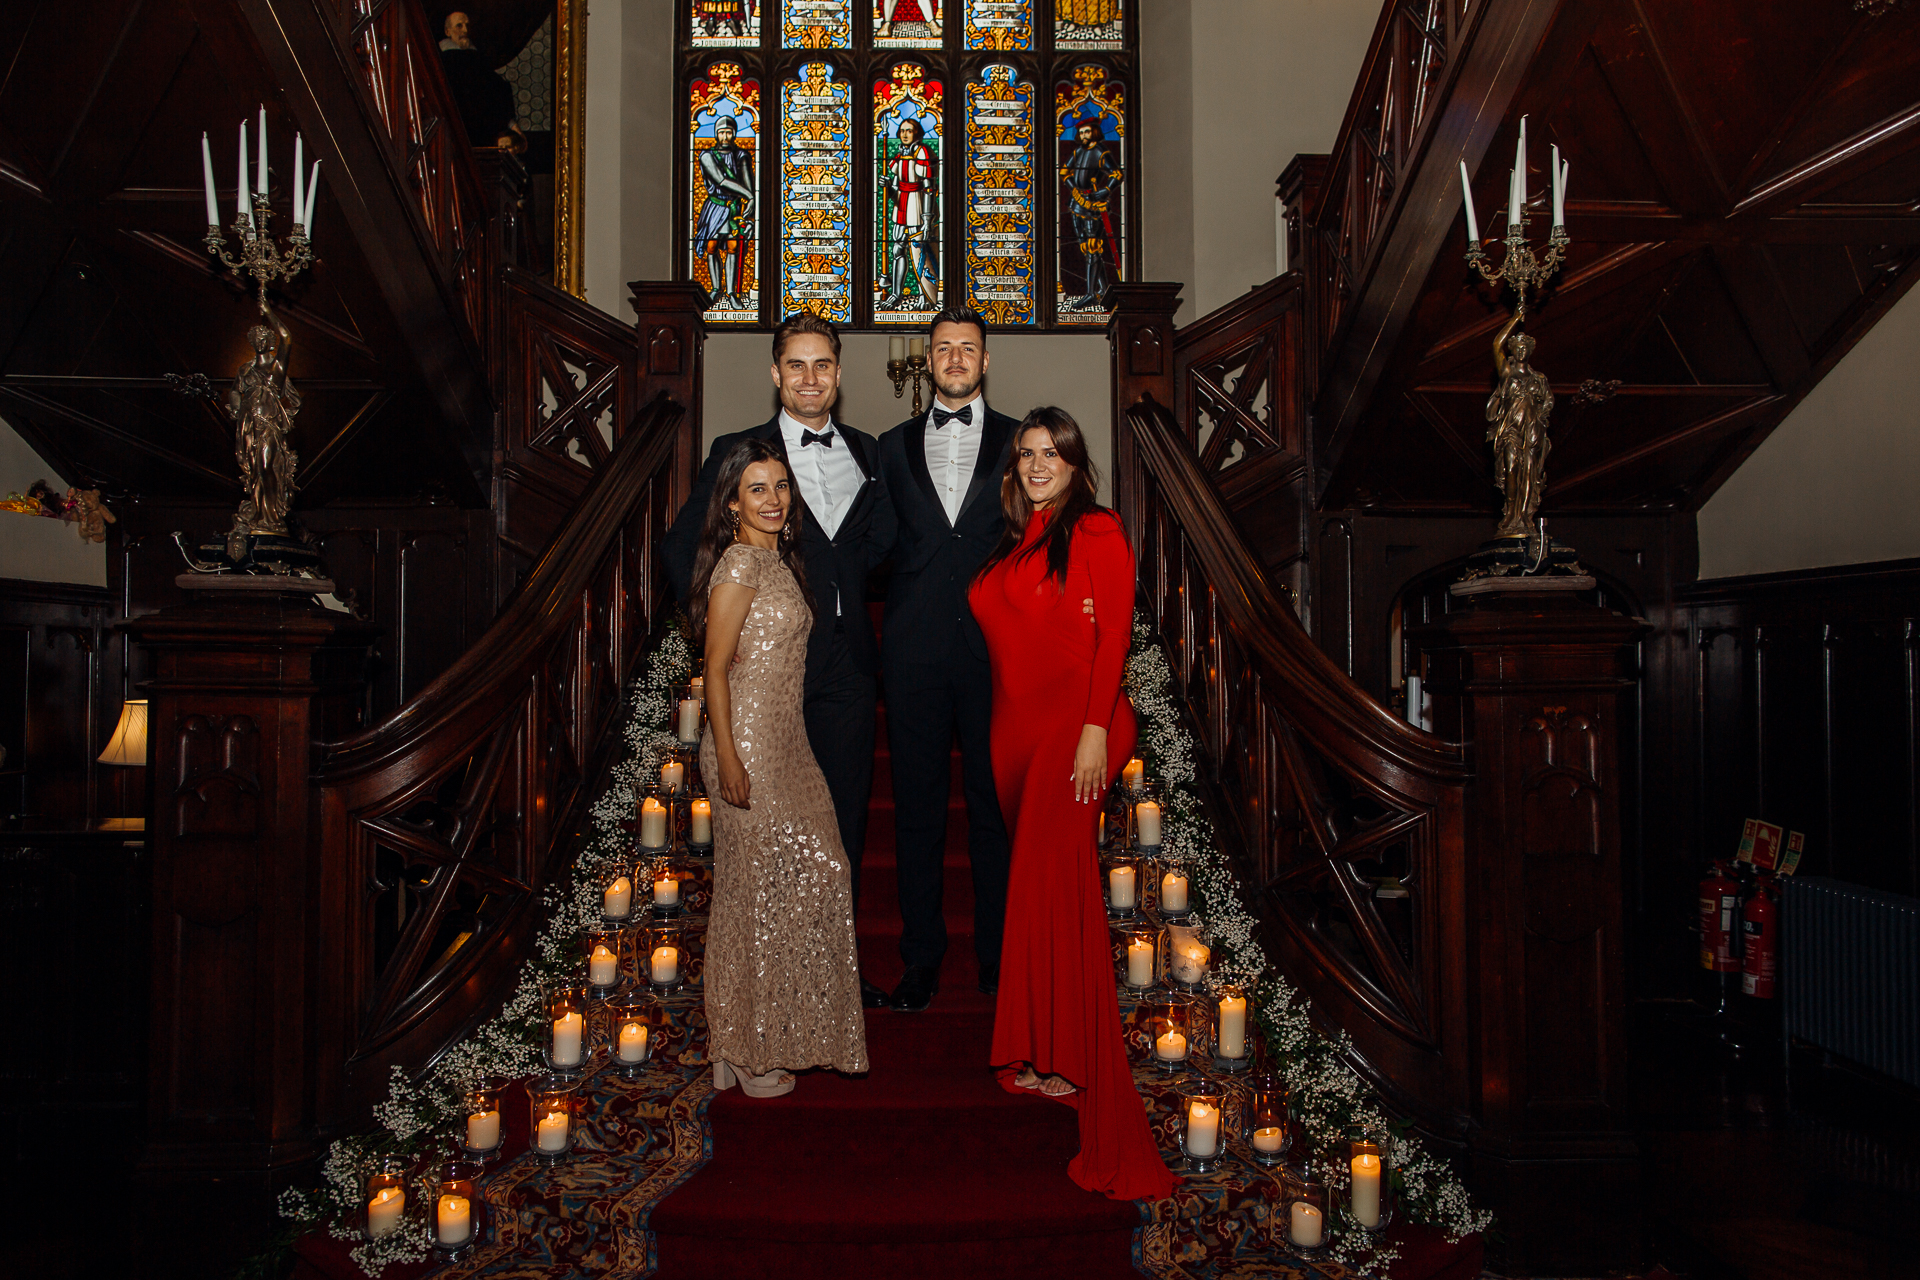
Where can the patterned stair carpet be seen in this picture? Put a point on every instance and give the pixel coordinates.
(923, 1168)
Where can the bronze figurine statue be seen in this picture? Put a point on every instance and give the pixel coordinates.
(263, 403)
(1517, 414)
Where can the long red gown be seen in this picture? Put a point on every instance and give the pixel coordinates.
(1054, 670)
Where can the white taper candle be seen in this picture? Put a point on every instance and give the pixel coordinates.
(243, 201)
(1466, 189)
(299, 179)
(206, 167)
(313, 189)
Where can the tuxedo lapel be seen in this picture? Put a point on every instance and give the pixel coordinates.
(991, 463)
(915, 444)
(864, 459)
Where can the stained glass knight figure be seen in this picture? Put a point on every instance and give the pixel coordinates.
(929, 12)
(1092, 177)
(911, 179)
(724, 232)
(711, 15)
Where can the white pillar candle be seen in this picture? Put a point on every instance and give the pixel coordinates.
(206, 174)
(603, 967)
(299, 178)
(633, 1042)
(483, 1130)
(689, 719)
(566, 1039)
(1203, 1129)
(313, 189)
(1305, 1225)
(551, 1134)
(896, 348)
(672, 774)
(1269, 1138)
(384, 1210)
(1140, 963)
(617, 902)
(653, 824)
(1190, 961)
(1173, 892)
(666, 965)
(1366, 1190)
(700, 822)
(1233, 1026)
(666, 892)
(699, 687)
(1146, 816)
(1171, 1045)
(1120, 888)
(241, 201)
(1466, 189)
(455, 1216)
(916, 347)
(1134, 776)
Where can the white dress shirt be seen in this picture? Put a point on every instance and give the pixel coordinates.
(827, 475)
(953, 451)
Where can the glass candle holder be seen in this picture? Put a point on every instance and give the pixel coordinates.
(1203, 1124)
(1138, 948)
(1232, 1028)
(1168, 1021)
(384, 1201)
(482, 1134)
(673, 775)
(454, 1210)
(1133, 777)
(665, 957)
(1144, 815)
(1121, 880)
(616, 895)
(1269, 1131)
(1173, 891)
(567, 1004)
(550, 1117)
(1300, 1220)
(606, 946)
(664, 886)
(1370, 1194)
(1184, 954)
(630, 1035)
(700, 824)
(688, 711)
(656, 821)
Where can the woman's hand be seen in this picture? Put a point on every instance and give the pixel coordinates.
(1090, 764)
(734, 782)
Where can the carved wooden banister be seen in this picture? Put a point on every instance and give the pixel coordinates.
(1348, 824)
(443, 825)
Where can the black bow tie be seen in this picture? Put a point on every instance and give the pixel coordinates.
(809, 437)
(941, 417)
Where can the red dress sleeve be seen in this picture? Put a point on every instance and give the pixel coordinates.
(1102, 540)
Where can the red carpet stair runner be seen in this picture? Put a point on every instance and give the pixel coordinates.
(924, 1169)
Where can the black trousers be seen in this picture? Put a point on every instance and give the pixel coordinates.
(839, 712)
(927, 705)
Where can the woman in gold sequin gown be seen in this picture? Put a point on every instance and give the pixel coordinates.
(782, 973)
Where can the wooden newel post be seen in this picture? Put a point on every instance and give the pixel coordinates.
(671, 325)
(1538, 681)
(247, 675)
(1141, 335)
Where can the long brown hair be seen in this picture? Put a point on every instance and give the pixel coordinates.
(1081, 497)
(719, 530)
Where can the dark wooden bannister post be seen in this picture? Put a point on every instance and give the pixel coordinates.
(247, 675)
(1141, 334)
(1537, 682)
(672, 332)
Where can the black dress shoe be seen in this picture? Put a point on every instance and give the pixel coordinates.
(872, 997)
(989, 979)
(916, 989)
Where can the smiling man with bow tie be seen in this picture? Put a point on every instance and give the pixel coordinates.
(942, 473)
(845, 531)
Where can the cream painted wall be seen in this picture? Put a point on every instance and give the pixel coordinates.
(1836, 482)
(36, 549)
(1071, 371)
(629, 149)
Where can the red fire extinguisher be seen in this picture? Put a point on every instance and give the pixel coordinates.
(1719, 905)
(1762, 929)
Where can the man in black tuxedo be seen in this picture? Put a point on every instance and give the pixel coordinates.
(943, 474)
(849, 526)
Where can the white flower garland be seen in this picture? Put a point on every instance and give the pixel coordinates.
(1330, 1096)
(509, 1044)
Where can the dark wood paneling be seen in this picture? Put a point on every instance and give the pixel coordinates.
(61, 685)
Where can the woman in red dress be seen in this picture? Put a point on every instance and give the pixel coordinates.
(1055, 600)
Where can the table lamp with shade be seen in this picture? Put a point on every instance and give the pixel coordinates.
(128, 747)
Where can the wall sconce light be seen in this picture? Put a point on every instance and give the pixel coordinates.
(907, 359)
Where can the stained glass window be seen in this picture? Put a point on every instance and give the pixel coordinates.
(1088, 24)
(999, 24)
(724, 237)
(816, 24)
(907, 197)
(816, 194)
(1089, 134)
(1000, 196)
(726, 23)
(907, 24)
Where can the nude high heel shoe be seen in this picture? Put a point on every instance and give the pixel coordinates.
(723, 1076)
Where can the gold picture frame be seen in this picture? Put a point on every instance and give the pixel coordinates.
(569, 145)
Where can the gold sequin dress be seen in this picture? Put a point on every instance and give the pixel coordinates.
(782, 974)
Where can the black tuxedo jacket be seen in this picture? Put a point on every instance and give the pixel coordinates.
(934, 560)
(840, 563)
